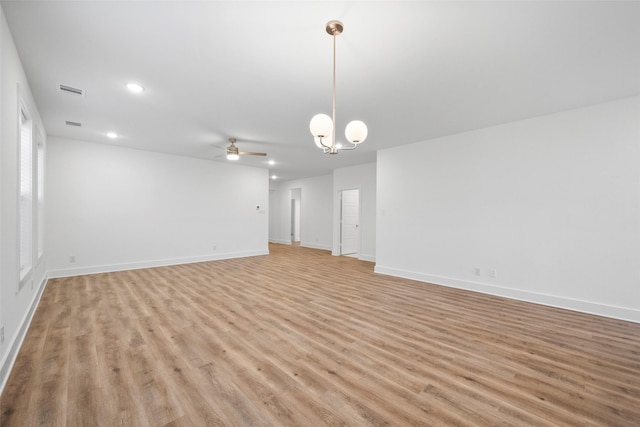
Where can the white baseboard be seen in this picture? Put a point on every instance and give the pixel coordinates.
(367, 257)
(16, 342)
(282, 242)
(315, 246)
(615, 312)
(80, 271)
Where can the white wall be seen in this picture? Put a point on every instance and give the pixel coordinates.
(274, 213)
(16, 307)
(115, 208)
(550, 204)
(363, 178)
(315, 212)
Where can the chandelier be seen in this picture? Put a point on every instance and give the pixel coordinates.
(322, 126)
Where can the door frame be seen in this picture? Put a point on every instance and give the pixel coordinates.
(340, 223)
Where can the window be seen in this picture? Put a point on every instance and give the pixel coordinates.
(26, 195)
(40, 190)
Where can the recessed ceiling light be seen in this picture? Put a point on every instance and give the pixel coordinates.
(274, 177)
(271, 162)
(112, 135)
(135, 87)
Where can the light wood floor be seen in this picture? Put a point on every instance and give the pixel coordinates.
(301, 338)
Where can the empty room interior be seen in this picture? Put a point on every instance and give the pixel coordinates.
(275, 213)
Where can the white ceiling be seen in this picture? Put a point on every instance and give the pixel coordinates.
(258, 71)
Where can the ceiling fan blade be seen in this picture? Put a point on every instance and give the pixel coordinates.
(251, 153)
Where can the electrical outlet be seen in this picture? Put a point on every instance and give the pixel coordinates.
(476, 270)
(214, 247)
(72, 258)
(492, 273)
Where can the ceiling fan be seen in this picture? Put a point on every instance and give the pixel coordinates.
(234, 154)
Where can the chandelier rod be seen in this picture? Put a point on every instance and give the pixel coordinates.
(322, 126)
(334, 149)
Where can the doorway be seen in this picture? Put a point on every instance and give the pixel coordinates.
(350, 222)
(295, 206)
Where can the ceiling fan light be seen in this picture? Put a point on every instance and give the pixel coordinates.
(232, 151)
(321, 125)
(356, 132)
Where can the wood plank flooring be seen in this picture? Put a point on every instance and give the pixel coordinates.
(302, 338)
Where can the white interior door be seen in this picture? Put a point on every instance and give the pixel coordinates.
(293, 220)
(349, 222)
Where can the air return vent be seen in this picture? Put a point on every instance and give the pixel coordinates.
(71, 90)
(70, 123)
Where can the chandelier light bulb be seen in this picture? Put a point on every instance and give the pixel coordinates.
(356, 132)
(321, 125)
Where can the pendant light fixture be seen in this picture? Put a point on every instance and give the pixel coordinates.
(322, 126)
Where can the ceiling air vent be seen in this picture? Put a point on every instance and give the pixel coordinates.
(71, 90)
(70, 123)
